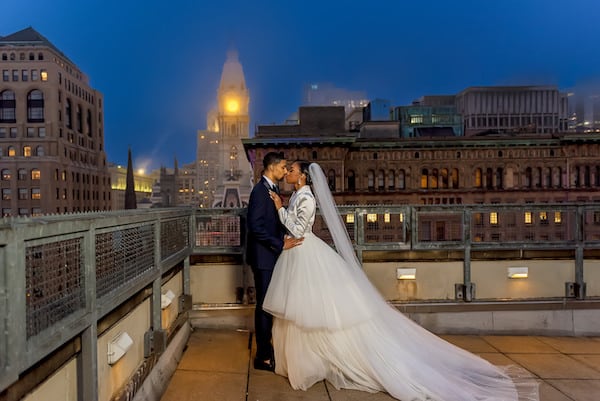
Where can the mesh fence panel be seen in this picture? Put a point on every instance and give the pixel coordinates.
(54, 283)
(174, 236)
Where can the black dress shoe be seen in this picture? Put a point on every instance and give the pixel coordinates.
(264, 365)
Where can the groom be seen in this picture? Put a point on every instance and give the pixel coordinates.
(265, 243)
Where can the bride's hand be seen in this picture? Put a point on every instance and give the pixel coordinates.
(276, 200)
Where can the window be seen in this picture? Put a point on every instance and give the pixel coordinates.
(35, 174)
(44, 75)
(2, 133)
(30, 132)
(36, 211)
(528, 218)
(80, 120)
(331, 179)
(15, 75)
(24, 75)
(23, 194)
(23, 211)
(424, 178)
(557, 218)
(5, 75)
(39, 151)
(544, 218)
(351, 181)
(40, 56)
(371, 180)
(401, 180)
(6, 174)
(35, 75)
(391, 180)
(494, 218)
(22, 174)
(27, 151)
(7, 107)
(6, 195)
(35, 193)
(11, 151)
(42, 132)
(68, 114)
(13, 132)
(6, 212)
(416, 119)
(35, 106)
(380, 180)
(478, 183)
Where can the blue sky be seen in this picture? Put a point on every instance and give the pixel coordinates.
(158, 63)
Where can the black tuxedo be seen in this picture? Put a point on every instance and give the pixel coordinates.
(265, 243)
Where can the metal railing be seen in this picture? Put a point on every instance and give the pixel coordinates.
(60, 274)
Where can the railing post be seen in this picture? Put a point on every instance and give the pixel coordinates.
(579, 287)
(155, 339)
(87, 361)
(466, 289)
(359, 229)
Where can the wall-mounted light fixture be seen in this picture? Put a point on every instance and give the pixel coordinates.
(518, 272)
(406, 273)
(118, 346)
(166, 299)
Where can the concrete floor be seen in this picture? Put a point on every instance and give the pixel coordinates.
(217, 366)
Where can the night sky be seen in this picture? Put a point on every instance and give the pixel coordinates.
(158, 63)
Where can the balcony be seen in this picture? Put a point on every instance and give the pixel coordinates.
(79, 290)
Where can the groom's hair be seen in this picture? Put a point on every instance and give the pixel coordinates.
(272, 158)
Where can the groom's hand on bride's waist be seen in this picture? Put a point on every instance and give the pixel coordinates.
(290, 242)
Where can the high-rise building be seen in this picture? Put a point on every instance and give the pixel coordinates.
(223, 172)
(52, 157)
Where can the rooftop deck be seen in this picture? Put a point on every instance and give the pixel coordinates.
(217, 366)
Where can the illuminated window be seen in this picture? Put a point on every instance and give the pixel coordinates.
(401, 217)
(416, 119)
(494, 218)
(528, 218)
(371, 218)
(543, 218)
(35, 193)
(478, 219)
(6, 174)
(6, 195)
(35, 174)
(350, 218)
(11, 151)
(557, 218)
(44, 75)
(386, 218)
(27, 151)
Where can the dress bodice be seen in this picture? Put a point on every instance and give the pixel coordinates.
(299, 217)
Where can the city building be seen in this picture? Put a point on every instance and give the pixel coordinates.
(387, 169)
(420, 120)
(143, 184)
(52, 157)
(518, 109)
(223, 174)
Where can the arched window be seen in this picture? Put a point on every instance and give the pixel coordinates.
(351, 181)
(35, 174)
(79, 118)
(22, 174)
(401, 179)
(478, 183)
(6, 174)
(455, 178)
(489, 178)
(7, 107)
(597, 177)
(559, 178)
(371, 180)
(31, 56)
(538, 178)
(433, 179)
(444, 178)
(88, 122)
(380, 180)
(548, 177)
(528, 178)
(391, 180)
(39, 151)
(314, 155)
(331, 179)
(500, 178)
(587, 177)
(424, 178)
(35, 106)
(40, 56)
(68, 115)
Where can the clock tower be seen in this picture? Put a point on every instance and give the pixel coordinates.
(220, 150)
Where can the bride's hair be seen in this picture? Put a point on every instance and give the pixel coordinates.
(304, 169)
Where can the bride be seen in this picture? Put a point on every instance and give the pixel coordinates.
(331, 322)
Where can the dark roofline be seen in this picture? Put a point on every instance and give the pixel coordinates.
(30, 36)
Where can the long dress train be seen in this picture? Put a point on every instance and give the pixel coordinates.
(331, 323)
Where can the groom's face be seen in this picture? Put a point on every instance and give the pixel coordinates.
(279, 170)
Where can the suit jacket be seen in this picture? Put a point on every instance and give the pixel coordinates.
(265, 231)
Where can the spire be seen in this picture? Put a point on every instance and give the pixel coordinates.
(232, 76)
(130, 202)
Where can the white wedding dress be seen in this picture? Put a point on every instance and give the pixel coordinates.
(331, 323)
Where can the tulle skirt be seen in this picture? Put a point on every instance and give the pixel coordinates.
(331, 323)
